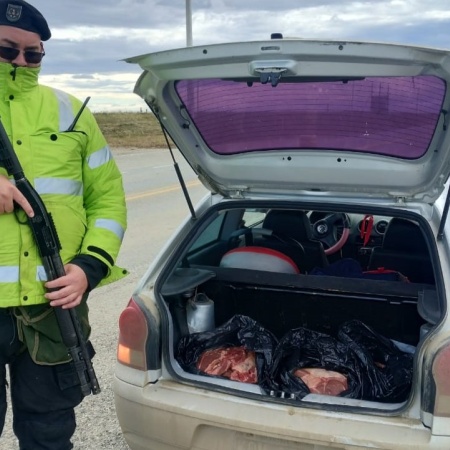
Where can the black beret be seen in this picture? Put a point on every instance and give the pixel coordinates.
(20, 14)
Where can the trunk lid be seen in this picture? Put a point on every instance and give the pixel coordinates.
(284, 117)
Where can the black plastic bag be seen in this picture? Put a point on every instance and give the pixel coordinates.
(375, 368)
(238, 331)
(304, 348)
(388, 369)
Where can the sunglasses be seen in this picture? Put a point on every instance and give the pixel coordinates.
(10, 54)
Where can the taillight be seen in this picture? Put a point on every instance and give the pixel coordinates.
(133, 334)
(441, 375)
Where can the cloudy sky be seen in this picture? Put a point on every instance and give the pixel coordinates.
(91, 37)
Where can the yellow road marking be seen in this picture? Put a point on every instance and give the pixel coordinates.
(160, 191)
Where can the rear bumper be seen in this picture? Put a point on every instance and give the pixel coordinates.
(172, 416)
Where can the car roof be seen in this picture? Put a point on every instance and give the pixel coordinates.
(290, 116)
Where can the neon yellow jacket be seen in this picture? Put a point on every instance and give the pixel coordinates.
(81, 186)
(73, 172)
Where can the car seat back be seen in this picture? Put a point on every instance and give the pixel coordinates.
(292, 235)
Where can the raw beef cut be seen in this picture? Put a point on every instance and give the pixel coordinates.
(235, 363)
(321, 381)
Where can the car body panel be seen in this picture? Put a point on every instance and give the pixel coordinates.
(309, 167)
(209, 420)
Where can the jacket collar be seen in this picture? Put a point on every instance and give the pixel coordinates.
(17, 81)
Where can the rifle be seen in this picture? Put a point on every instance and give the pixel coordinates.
(47, 241)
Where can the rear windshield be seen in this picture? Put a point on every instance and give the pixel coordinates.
(393, 116)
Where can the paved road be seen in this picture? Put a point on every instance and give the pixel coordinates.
(155, 208)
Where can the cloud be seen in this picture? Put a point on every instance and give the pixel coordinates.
(93, 38)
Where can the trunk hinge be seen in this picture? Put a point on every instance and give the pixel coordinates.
(400, 200)
(237, 194)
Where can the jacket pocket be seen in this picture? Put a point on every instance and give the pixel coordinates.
(39, 331)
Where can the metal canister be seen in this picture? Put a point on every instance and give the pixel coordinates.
(200, 314)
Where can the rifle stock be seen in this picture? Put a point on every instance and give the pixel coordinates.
(47, 241)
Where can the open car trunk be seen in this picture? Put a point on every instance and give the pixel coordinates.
(297, 333)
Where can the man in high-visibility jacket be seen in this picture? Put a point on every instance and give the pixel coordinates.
(74, 173)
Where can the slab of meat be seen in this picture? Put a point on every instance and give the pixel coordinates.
(235, 363)
(321, 381)
(244, 370)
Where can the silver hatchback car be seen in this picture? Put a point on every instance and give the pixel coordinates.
(303, 303)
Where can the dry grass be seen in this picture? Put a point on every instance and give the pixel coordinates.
(138, 130)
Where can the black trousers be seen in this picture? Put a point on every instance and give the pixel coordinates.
(43, 397)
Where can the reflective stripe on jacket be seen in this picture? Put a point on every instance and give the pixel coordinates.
(74, 173)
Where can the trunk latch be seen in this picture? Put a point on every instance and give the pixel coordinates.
(271, 75)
